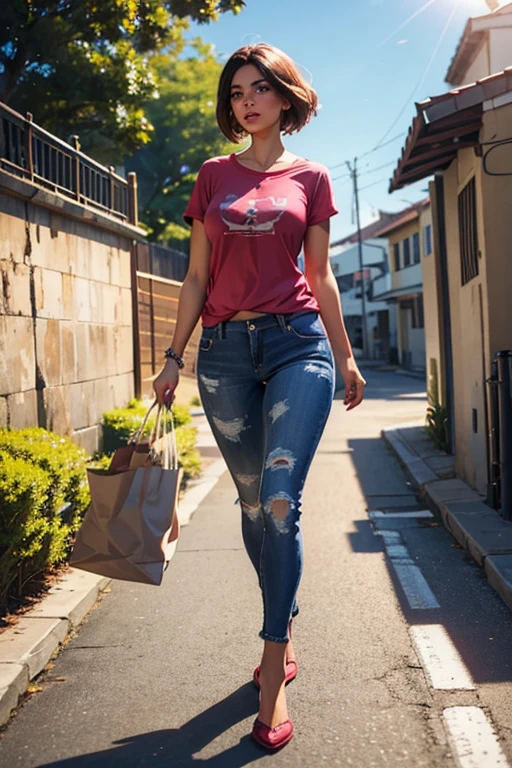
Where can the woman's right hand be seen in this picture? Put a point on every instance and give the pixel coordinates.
(166, 383)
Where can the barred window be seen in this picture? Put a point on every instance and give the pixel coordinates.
(396, 251)
(416, 248)
(407, 252)
(428, 239)
(468, 234)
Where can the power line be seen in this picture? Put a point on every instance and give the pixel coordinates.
(425, 73)
(373, 184)
(344, 176)
(390, 141)
(379, 168)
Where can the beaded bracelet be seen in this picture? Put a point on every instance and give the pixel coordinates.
(170, 353)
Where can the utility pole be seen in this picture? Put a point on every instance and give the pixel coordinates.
(353, 173)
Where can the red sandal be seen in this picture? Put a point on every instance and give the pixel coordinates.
(291, 673)
(272, 738)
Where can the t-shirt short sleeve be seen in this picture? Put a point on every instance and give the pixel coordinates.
(200, 197)
(322, 204)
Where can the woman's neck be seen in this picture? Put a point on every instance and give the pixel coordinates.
(265, 151)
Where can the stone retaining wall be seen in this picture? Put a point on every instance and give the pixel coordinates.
(66, 337)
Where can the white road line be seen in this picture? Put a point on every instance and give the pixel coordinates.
(472, 739)
(415, 586)
(379, 515)
(440, 659)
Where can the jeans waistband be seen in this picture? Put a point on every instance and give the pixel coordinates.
(257, 323)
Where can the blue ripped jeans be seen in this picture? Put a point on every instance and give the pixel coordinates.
(267, 386)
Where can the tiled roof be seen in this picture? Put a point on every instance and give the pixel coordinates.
(370, 230)
(444, 125)
(404, 217)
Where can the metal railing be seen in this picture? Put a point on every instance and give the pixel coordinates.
(30, 152)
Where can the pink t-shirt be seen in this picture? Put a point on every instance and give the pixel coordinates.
(256, 222)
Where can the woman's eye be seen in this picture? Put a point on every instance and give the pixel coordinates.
(263, 88)
(235, 94)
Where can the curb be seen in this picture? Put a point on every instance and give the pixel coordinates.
(27, 647)
(479, 529)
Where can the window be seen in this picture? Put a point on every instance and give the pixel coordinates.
(417, 312)
(407, 252)
(396, 251)
(427, 232)
(468, 235)
(416, 248)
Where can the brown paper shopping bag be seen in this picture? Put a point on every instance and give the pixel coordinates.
(131, 527)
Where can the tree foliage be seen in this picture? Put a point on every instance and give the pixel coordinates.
(185, 135)
(83, 66)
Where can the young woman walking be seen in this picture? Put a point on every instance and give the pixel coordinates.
(265, 363)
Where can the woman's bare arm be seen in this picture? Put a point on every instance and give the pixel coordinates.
(323, 284)
(191, 303)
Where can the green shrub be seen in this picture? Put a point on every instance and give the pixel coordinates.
(195, 401)
(437, 426)
(188, 455)
(26, 530)
(119, 424)
(43, 494)
(59, 456)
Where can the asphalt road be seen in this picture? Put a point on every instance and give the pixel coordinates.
(161, 676)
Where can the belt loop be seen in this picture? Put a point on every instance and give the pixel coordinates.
(223, 329)
(281, 319)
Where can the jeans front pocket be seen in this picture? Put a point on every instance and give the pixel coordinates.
(206, 340)
(307, 326)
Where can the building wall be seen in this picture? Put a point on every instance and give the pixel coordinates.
(411, 341)
(501, 47)
(496, 196)
(432, 310)
(429, 272)
(480, 67)
(66, 340)
(468, 306)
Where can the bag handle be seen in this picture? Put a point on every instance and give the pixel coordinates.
(137, 435)
(160, 432)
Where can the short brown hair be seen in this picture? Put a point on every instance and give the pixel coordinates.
(282, 73)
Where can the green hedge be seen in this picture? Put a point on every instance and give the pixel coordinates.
(43, 494)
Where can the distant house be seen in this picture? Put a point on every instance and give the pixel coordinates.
(380, 328)
(464, 137)
(410, 241)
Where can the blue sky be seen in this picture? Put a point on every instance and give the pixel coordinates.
(364, 76)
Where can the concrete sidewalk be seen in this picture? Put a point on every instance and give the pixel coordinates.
(27, 646)
(483, 533)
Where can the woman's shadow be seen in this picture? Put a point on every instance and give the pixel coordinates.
(176, 748)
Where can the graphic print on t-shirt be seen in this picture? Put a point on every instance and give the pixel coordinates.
(251, 217)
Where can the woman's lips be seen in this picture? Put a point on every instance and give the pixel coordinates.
(251, 117)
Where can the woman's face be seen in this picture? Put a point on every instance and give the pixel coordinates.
(257, 106)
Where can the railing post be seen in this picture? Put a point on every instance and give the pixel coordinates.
(29, 132)
(112, 191)
(75, 143)
(493, 486)
(133, 208)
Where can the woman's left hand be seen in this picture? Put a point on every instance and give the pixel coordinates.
(354, 383)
